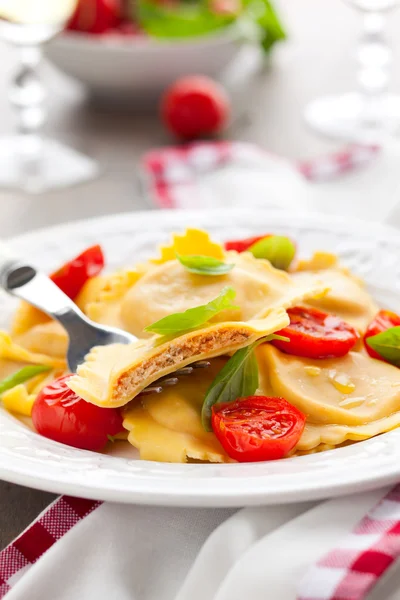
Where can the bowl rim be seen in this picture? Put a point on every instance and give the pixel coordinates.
(66, 39)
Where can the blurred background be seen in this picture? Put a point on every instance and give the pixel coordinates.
(106, 81)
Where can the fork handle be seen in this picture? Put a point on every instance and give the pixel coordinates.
(25, 282)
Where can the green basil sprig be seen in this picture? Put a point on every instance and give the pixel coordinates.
(21, 376)
(238, 378)
(387, 345)
(204, 265)
(278, 249)
(179, 323)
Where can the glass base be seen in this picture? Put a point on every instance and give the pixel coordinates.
(38, 165)
(349, 117)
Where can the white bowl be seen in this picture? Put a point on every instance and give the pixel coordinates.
(140, 67)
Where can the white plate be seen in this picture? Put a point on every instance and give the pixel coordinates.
(370, 250)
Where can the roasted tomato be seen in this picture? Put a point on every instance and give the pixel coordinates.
(72, 276)
(385, 319)
(245, 244)
(257, 428)
(59, 414)
(316, 334)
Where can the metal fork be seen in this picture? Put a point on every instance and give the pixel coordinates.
(25, 282)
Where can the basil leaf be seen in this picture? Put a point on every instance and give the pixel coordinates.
(21, 376)
(204, 265)
(387, 345)
(238, 378)
(179, 323)
(278, 249)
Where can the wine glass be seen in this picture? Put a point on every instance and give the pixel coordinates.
(369, 114)
(29, 161)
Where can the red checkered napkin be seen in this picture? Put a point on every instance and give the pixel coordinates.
(49, 527)
(169, 169)
(352, 569)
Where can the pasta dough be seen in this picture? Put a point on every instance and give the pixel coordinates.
(347, 297)
(352, 390)
(167, 426)
(170, 288)
(113, 375)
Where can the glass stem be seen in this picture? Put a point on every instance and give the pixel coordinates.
(374, 55)
(27, 95)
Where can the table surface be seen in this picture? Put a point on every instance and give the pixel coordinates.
(270, 115)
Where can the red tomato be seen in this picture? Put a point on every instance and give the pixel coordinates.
(245, 244)
(59, 414)
(95, 16)
(257, 428)
(72, 276)
(384, 319)
(195, 106)
(316, 334)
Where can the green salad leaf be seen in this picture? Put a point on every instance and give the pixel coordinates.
(204, 265)
(182, 19)
(179, 323)
(238, 378)
(278, 249)
(387, 345)
(21, 376)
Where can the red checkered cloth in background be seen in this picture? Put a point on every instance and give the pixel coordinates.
(167, 168)
(350, 571)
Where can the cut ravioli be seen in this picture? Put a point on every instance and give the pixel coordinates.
(352, 390)
(347, 298)
(112, 375)
(167, 427)
(193, 241)
(170, 288)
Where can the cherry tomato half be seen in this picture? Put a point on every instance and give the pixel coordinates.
(315, 334)
(59, 414)
(257, 428)
(384, 319)
(245, 244)
(72, 276)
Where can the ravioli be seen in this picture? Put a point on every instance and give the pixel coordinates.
(347, 297)
(48, 338)
(171, 288)
(352, 390)
(105, 308)
(333, 435)
(113, 375)
(13, 358)
(167, 427)
(11, 351)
